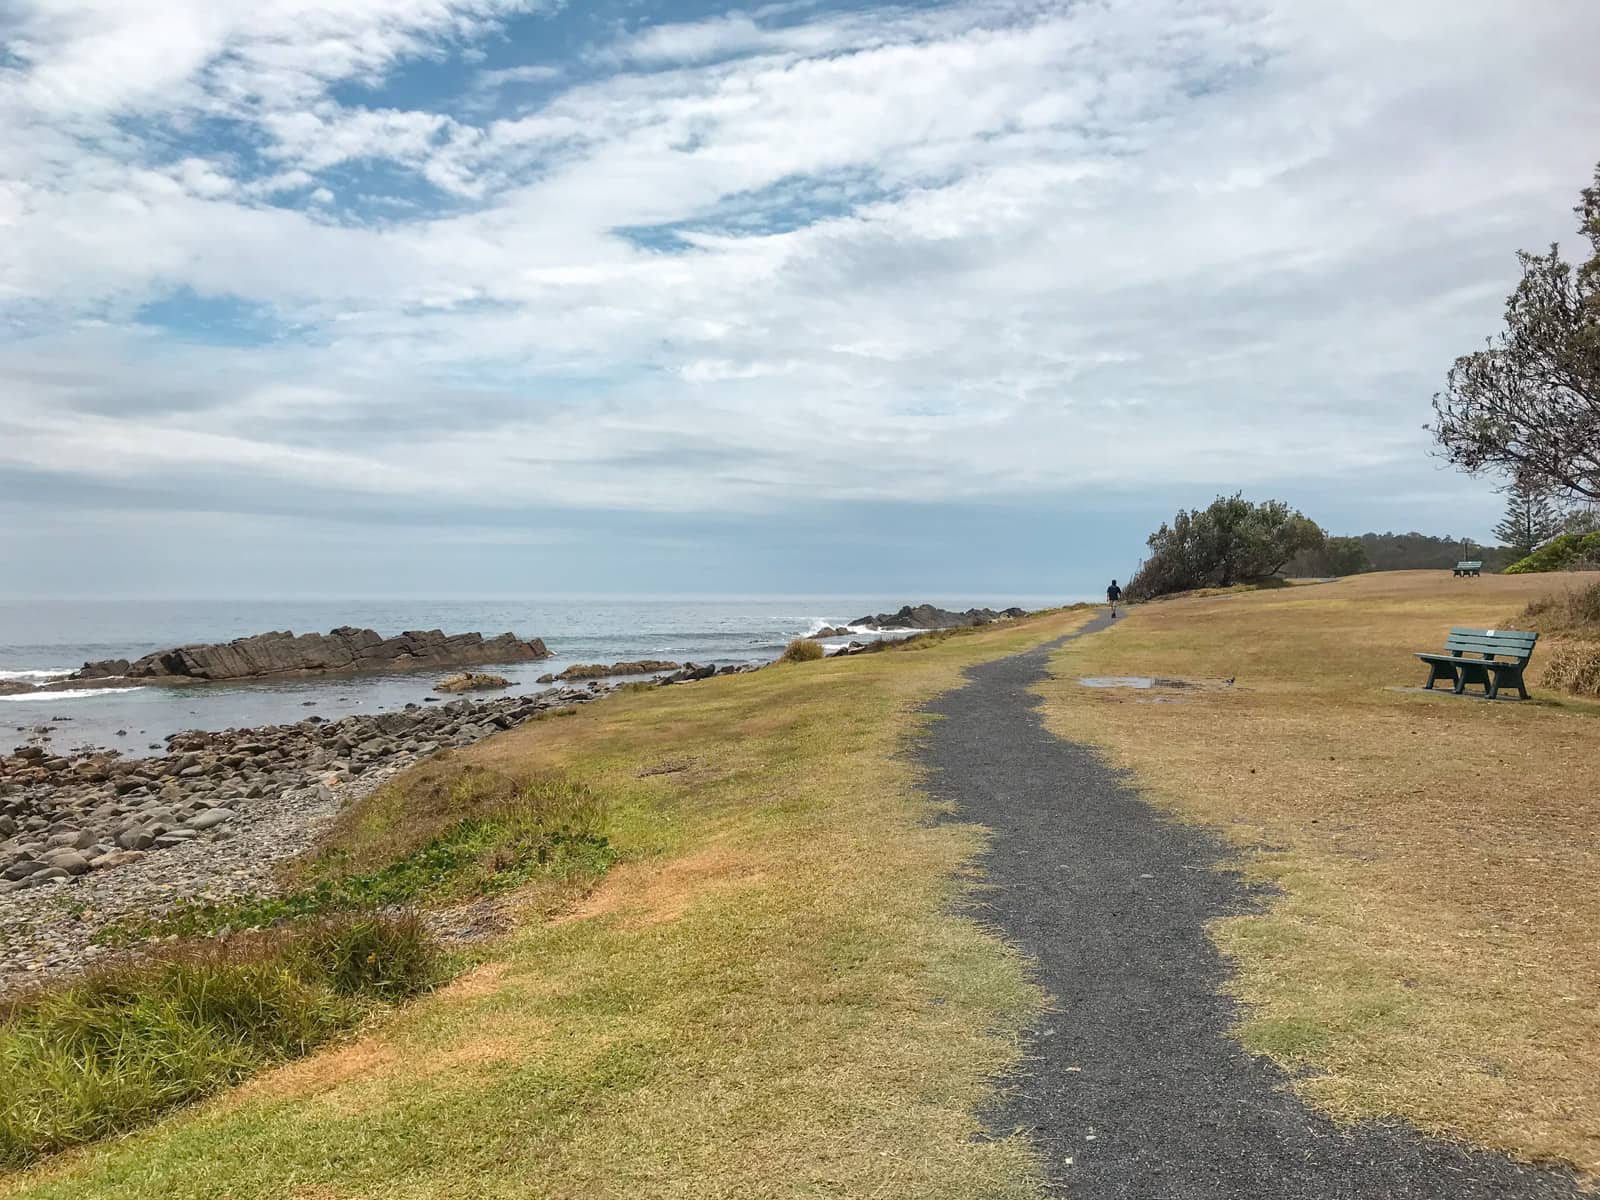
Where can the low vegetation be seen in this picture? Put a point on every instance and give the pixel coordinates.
(1572, 612)
(1429, 953)
(1569, 621)
(802, 650)
(506, 831)
(128, 1043)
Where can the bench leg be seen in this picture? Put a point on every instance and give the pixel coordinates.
(1436, 672)
(1474, 672)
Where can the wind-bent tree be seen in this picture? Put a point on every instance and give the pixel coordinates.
(1529, 404)
(1531, 519)
(1232, 541)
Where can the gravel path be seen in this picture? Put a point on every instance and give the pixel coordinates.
(1132, 1088)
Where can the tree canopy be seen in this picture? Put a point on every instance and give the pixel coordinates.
(1529, 404)
(1232, 541)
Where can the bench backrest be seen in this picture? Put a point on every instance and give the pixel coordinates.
(1470, 564)
(1504, 643)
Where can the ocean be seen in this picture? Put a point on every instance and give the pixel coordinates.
(40, 640)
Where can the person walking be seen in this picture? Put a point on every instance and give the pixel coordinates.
(1113, 594)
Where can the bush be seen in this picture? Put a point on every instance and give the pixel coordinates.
(121, 1045)
(802, 650)
(1232, 541)
(1568, 552)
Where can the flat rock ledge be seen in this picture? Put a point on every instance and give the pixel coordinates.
(88, 838)
(927, 616)
(286, 654)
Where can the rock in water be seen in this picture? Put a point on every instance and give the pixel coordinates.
(344, 649)
(469, 681)
(926, 616)
(646, 666)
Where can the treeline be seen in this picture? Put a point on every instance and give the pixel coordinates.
(1395, 552)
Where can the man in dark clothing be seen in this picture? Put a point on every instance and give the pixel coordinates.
(1113, 594)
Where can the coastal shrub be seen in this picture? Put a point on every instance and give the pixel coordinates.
(1232, 541)
(1568, 552)
(802, 650)
(121, 1045)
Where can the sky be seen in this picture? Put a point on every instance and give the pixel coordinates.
(445, 297)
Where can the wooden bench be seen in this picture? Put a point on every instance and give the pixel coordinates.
(1503, 653)
(1469, 567)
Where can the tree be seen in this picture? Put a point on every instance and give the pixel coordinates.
(1346, 556)
(1529, 404)
(1232, 541)
(1531, 520)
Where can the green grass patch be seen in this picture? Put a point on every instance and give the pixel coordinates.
(123, 1045)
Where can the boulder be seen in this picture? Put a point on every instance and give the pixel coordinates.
(69, 861)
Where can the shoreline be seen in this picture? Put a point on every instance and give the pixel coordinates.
(89, 838)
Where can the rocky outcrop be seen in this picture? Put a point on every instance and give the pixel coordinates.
(828, 631)
(272, 655)
(579, 671)
(926, 616)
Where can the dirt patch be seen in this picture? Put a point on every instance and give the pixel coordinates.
(322, 1072)
(476, 983)
(645, 894)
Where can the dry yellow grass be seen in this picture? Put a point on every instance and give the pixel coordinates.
(771, 998)
(1432, 954)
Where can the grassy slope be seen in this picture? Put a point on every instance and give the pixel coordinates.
(771, 999)
(1433, 952)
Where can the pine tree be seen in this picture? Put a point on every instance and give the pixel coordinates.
(1531, 519)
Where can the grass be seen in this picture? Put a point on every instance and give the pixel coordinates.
(1430, 954)
(769, 996)
(122, 1045)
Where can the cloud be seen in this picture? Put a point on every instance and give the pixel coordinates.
(975, 252)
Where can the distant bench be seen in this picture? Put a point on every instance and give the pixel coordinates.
(1469, 567)
(1513, 646)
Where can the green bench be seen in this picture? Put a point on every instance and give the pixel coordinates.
(1503, 653)
(1469, 567)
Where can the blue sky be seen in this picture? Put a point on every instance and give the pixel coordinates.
(334, 296)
